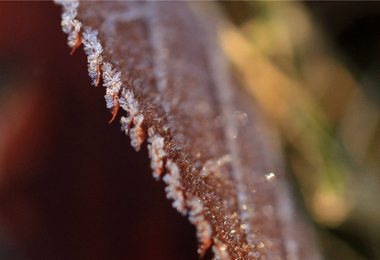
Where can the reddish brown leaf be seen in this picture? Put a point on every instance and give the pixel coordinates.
(161, 63)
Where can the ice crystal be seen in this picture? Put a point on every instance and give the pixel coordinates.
(214, 166)
(220, 250)
(137, 133)
(70, 25)
(111, 79)
(174, 190)
(125, 123)
(129, 103)
(156, 154)
(112, 82)
(93, 49)
(196, 217)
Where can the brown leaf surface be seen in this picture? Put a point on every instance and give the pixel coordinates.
(161, 63)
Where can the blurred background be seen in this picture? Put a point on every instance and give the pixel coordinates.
(315, 69)
(72, 188)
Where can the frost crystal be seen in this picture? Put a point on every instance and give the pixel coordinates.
(174, 190)
(125, 123)
(204, 230)
(111, 79)
(129, 103)
(220, 250)
(137, 133)
(156, 154)
(214, 166)
(93, 49)
(70, 25)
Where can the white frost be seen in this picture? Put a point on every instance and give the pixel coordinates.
(93, 49)
(174, 190)
(70, 25)
(156, 154)
(204, 230)
(220, 250)
(112, 81)
(137, 133)
(128, 102)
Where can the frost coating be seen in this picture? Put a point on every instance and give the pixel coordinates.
(204, 230)
(111, 77)
(128, 102)
(156, 154)
(125, 123)
(130, 105)
(112, 82)
(214, 166)
(174, 190)
(220, 250)
(93, 49)
(70, 25)
(137, 133)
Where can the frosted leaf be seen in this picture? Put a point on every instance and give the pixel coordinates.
(162, 64)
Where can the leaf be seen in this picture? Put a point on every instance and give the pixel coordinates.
(162, 65)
